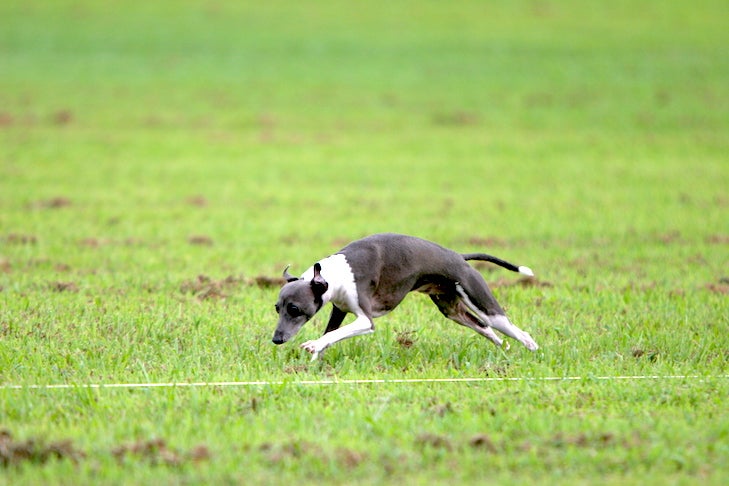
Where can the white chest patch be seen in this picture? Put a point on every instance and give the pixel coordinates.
(342, 289)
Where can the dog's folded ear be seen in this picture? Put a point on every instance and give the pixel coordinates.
(318, 284)
(288, 276)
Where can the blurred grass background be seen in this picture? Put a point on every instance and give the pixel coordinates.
(530, 120)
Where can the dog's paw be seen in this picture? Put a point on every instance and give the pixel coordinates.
(314, 348)
(530, 344)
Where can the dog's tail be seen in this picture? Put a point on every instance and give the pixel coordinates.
(498, 261)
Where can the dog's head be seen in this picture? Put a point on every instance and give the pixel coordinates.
(298, 301)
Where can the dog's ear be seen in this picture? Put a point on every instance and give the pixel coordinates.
(318, 284)
(288, 276)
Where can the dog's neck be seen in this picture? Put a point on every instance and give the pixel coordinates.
(342, 290)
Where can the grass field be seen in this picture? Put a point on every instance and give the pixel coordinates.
(161, 162)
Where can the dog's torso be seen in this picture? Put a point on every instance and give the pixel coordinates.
(376, 277)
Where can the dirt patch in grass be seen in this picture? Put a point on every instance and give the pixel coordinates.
(199, 453)
(440, 409)
(718, 240)
(200, 240)
(483, 442)
(296, 369)
(62, 117)
(459, 118)
(434, 441)
(264, 281)
(585, 441)
(205, 288)
(63, 287)
(18, 239)
(36, 451)
(16, 452)
(406, 339)
(349, 458)
(651, 355)
(671, 237)
(197, 201)
(495, 369)
(94, 242)
(154, 451)
(295, 449)
(57, 202)
(6, 119)
(158, 452)
(596, 440)
(722, 287)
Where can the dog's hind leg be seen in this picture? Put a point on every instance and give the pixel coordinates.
(476, 296)
(451, 306)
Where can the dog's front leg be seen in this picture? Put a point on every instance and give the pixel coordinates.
(361, 325)
(335, 320)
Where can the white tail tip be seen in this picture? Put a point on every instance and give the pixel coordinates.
(526, 271)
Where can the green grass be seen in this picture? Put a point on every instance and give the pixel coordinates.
(143, 144)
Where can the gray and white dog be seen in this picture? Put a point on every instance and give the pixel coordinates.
(371, 276)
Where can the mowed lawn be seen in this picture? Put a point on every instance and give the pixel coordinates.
(162, 162)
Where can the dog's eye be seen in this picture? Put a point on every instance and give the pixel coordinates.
(278, 308)
(293, 310)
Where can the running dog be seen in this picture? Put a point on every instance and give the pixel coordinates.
(371, 276)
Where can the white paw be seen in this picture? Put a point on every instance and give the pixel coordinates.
(530, 344)
(314, 348)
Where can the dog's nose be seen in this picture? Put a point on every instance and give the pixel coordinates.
(277, 340)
